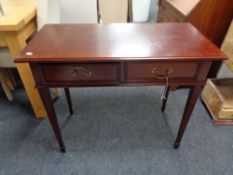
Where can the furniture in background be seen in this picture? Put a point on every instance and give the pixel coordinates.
(211, 17)
(7, 80)
(81, 11)
(217, 96)
(218, 93)
(113, 11)
(227, 48)
(16, 26)
(139, 56)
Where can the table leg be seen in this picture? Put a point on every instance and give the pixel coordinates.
(68, 98)
(164, 102)
(16, 42)
(8, 79)
(4, 85)
(191, 101)
(12, 78)
(47, 101)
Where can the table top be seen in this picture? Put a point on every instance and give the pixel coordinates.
(17, 13)
(115, 42)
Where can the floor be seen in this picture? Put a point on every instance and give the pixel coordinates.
(114, 131)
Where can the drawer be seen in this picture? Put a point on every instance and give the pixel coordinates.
(80, 72)
(158, 70)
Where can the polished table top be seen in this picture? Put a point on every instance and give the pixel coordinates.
(114, 42)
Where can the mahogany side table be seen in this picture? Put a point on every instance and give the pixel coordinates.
(90, 55)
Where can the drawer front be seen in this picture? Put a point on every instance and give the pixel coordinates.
(159, 70)
(80, 72)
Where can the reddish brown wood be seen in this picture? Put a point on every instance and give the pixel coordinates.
(143, 70)
(48, 104)
(119, 42)
(203, 70)
(119, 55)
(68, 98)
(193, 96)
(212, 18)
(84, 72)
(218, 121)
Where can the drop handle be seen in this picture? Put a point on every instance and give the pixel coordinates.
(78, 69)
(158, 75)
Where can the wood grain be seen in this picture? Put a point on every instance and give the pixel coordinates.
(17, 24)
(114, 42)
(16, 14)
(184, 7)
(227, 47)
(16, 42)
(211, 17)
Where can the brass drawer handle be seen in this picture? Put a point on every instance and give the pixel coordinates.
(157, 75)
(76, 69)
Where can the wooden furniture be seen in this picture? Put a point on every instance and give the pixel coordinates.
(218, 98)
(112, 11)
(175, 10)
(211, 17)
(119, 55)
(227, 47)
(218, 93)
(17, 24)
(7, 80)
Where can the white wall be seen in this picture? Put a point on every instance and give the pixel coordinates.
(66, 11)
(78, 11)
(48, 11)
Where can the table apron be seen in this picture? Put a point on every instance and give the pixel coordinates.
(151, 73)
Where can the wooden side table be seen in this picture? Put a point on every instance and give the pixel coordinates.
(119, 55)
(16, 25)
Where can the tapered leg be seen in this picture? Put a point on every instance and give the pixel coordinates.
(68, 98)
(191, 101)
(164, 103)
(47, 101)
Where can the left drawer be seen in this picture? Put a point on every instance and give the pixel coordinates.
(67, 72)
